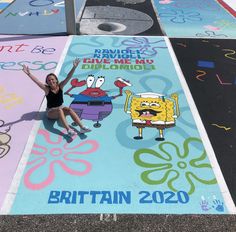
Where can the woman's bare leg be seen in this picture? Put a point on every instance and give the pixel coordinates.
(58, 114)
(74, 116)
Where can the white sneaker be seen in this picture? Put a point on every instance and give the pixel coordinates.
(71, 133)
(84, 130)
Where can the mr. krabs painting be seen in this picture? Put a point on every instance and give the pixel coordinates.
(94, 103)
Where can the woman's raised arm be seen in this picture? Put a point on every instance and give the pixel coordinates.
(26, 70)
(70, 74)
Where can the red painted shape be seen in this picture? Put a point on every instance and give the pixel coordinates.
(227, 7)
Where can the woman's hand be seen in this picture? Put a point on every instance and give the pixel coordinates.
(26, 69)
(76, 62)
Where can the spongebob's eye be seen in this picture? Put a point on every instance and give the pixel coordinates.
(100, 82)
(90, 80)
(154, 104)
(144, 104)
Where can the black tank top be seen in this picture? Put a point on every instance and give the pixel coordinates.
(54, 99)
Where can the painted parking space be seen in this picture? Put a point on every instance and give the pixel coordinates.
(197, 18)
(212, 74)
(33, 17)
(147, 151)
(20, 99)
(112, 17)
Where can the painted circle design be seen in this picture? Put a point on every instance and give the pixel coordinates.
(98, 20)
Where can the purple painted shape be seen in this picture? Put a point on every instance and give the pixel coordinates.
(206, 64)
(22, 97)
(94, 113)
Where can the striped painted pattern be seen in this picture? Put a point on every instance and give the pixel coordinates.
(4, 4)
(229, 5)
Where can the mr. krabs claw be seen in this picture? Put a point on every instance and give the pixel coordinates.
(76, 83)
(121, 83)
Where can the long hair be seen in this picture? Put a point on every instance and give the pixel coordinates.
(51, 74)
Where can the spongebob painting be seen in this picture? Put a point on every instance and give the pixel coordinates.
(152, 110)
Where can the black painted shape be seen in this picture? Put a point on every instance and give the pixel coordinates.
(214, 92)
(145, 7)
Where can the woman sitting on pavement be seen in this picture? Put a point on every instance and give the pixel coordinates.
(54, 95)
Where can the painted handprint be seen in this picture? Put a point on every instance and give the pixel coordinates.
(218, 205)
(204, 204)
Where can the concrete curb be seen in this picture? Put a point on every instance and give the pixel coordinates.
(120, 222)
